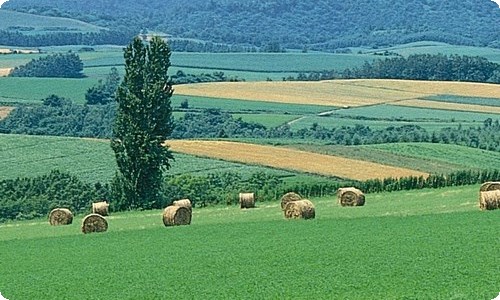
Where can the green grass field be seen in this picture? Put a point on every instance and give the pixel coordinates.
(43, 24)
(429, 244)
(382, 116)
(93, 161)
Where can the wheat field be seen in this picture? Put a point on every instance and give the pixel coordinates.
(4, 71)
(347, 93)
(290, 159)
(5, 110)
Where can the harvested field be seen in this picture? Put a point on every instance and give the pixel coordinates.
(341, 93)
(5, 111)
(4, 71)
(290, 159)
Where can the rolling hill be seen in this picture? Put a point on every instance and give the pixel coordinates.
(271, 25)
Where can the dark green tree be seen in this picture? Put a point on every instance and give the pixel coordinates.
(143, 123)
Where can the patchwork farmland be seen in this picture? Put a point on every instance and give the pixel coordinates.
(423, 244)
(289, 159)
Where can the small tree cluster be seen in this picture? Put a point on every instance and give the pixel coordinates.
(67, 65)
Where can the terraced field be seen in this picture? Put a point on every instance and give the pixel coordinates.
(289, 159)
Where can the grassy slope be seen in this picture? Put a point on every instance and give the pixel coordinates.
(93, 160)
(429, 244)
(42, 24)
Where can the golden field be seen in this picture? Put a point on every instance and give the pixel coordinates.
(4, 71)
(290, 159)
(5, 110)
(346, 93)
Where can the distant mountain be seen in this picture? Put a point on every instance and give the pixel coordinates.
(312, 24)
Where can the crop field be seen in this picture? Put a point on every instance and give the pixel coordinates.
(93, 160)
(425, 157)
(43, 24)
(465, 100)
(32, 90)
(385, 115)
(429, 244)
(425, 47)
(347, 93)
(290, 159)
(449, 106)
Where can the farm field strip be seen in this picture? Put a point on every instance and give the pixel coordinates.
(327, 93)
(343, 93)
(290, 159)
(426, 157)
(449, 106)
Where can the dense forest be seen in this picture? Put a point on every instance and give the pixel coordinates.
(316, 25)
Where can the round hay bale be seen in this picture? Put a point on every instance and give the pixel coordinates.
(247, 200)
(94, 223)
(101, 208)
(350, 196)
(489, 200)
(490, 186)
(176, 215)
(300, 209)
(183, 203)
(289, 197)
(60, 216)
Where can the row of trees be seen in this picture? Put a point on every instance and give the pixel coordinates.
(61, 117)
(416, 67)
(104, 37)
(27, 198)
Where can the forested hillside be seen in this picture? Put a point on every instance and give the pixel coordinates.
(277, 24)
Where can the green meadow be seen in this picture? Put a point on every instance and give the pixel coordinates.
(427, 244)
(42, 24)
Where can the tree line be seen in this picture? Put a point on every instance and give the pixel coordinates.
(416, 67)
(28, 198)
(317, 25)
(61, 117)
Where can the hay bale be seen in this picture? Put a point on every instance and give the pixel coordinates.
(300, 209)
(247, 200)
(176, 215)
(489, 200)
(350, 196)
(490, 186)
(183, 203)
(60, 216)
(100, 208)
(94, 223)
(289, 197)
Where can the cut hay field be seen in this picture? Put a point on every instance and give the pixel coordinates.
(348, 93)
(428, 244)
(4, 111)
(4, 71)
(290, 159)
(425, 157)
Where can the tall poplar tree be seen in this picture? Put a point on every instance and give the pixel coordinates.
(143, 123)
